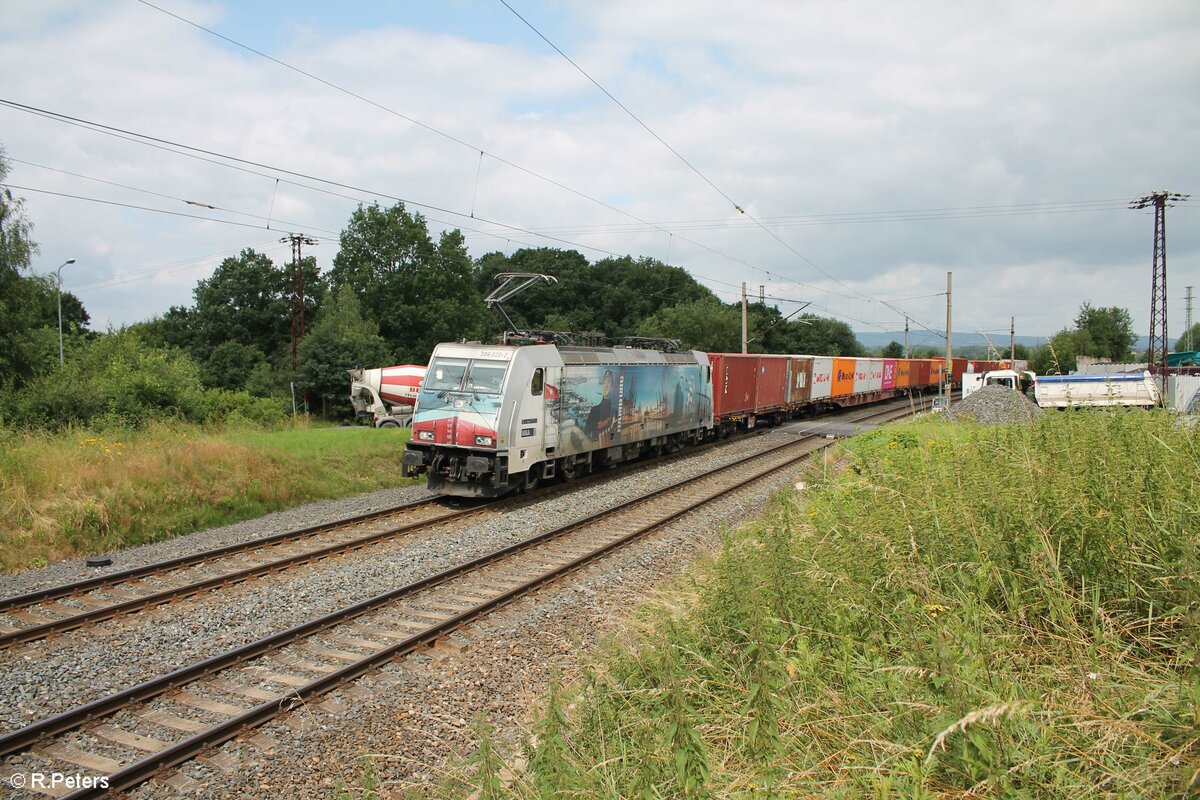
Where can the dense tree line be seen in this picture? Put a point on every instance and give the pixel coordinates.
(392, 294)
(28, 303)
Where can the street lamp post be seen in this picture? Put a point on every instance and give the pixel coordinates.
(58, 272)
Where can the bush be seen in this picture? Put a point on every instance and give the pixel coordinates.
(116, 380)
(223, 406)
(119, 381)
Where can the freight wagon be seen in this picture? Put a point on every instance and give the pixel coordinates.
(495, 419)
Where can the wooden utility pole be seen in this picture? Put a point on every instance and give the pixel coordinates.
(297, 240)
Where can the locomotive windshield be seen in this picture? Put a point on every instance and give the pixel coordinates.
(476, 375)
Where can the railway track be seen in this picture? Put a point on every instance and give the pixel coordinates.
(45, 612)
(138, 733)
(35, 615)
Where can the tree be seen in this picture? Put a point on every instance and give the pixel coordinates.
(1059, 355)
(699, 325)
(614, 296)
(28, 303)
(820, 336)
(117, 378)
(1190, 340)
(1109, 332)
(248, 301)
(892, 349)
(16, 247)
(230, 365)
(417, 292)
(340, 340)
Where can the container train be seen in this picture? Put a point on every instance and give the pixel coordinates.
(493, 419)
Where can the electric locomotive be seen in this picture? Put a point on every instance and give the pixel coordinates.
(493, 419)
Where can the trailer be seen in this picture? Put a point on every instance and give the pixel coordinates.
(1080, 391)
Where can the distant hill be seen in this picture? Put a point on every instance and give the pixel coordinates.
(922, 338)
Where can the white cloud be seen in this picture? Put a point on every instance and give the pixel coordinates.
(790, 108)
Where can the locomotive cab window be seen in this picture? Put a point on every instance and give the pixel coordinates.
(486, 376)
(535, 386)
(476, 375)
(445, 373)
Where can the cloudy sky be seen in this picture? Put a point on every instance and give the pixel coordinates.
(873, 146)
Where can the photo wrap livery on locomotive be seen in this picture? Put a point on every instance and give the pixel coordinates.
(491, 419)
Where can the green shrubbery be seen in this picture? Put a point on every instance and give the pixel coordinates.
(1005, 612)
(119, 381)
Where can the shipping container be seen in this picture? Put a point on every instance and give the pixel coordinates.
(958, 367)
(862, 375)
(903, 373)
(772, 383)
(844, 370)
(822, 378)
(748, 384)
(923, 375)
(889, 373)
(799, 380)
(873, 369)
(733, 384)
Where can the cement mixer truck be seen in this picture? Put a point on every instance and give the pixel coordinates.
(384, 397)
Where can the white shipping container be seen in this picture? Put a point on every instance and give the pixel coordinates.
(822, 377)
(868, 375)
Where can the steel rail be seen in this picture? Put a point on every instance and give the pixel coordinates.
(23, 738)
(144, 769)
(109, 578)
(172, 593)
(140, 771)
(237, 576)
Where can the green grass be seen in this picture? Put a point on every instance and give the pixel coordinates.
(80, 492)
(962, 611)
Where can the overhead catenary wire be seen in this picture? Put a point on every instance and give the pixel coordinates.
(146, 273)
(457, 140)
(241, 164)
(737, 207)
(296, 225)
(102, 128)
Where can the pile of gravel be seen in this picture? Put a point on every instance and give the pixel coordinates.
(996, 405)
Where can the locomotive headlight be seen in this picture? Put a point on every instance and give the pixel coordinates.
(484, 441)
(425, 435)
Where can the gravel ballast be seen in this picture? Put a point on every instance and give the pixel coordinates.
(996, 405)
(412, 718)
(43, 678)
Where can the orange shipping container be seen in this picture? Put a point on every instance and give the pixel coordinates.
(843, 376)
(903, 367)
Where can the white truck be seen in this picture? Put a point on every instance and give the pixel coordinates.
(385, 397)
(1017, 381)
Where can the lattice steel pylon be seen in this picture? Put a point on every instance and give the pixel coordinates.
(1157, 351)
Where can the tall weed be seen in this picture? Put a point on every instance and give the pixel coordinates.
(1001, 612)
